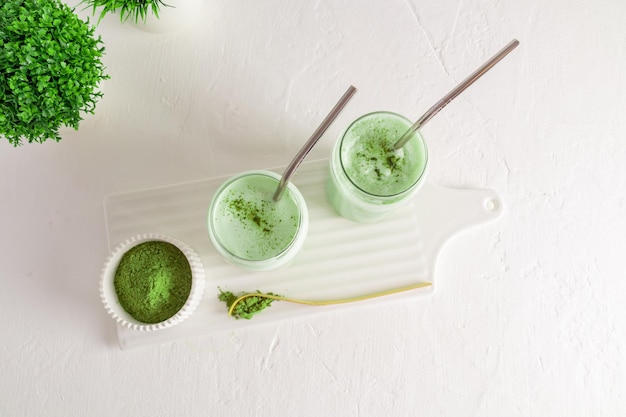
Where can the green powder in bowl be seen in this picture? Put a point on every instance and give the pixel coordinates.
(151, 282)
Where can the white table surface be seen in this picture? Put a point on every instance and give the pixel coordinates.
(528, 315)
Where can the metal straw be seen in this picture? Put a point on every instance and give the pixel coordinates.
(293, 165)
(454, 93)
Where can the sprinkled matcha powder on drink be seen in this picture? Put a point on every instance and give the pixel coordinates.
(379, 153)
(153, 281)
(248, 211)
(247, 307)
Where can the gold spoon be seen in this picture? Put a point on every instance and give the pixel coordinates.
(326, 302)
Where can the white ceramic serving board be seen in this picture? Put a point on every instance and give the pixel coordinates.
(340, 258)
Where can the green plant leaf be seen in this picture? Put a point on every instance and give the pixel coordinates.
(50, 69)
(136, 10)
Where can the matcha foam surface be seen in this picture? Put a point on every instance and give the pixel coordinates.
(371, 164)
(249, 223)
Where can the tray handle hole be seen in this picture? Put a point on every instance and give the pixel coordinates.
(492, 205)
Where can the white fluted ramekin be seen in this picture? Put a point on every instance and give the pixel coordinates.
(109, 296)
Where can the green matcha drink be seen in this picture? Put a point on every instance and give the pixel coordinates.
(368, 179)
(252, 230)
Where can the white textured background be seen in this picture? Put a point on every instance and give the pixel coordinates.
(528, 317)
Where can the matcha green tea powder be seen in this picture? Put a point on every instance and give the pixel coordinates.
(153, 281)
(247, 307)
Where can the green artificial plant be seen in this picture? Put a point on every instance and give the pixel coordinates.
(134, 9)
(50, 69)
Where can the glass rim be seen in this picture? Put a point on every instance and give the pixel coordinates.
(343, 169)
(291, 190)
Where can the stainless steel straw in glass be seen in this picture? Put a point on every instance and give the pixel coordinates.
(454, 93)
(293, 165)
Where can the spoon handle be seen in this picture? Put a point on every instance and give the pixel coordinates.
(326, 302)
(430, 113)
(297, 160)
